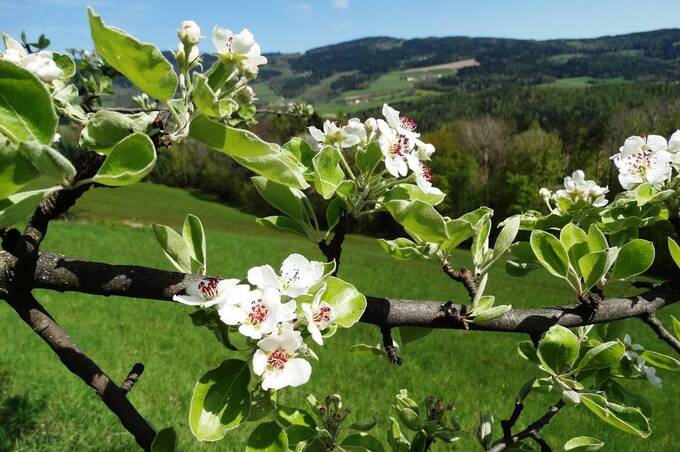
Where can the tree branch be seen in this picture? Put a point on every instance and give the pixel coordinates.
(464, 276)
(388, 343)
(333, 249)
(81, 365)
(132, 377)
(655, 324)
(61, 273)
(531, 431)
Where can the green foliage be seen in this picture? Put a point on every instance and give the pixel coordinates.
(130, 160)
(104, 129)
(48, 161)
(165, 441)
(327, 172)
(550, 253)
(26, 108)
(583, 444)
(220, 401)
(15, 170)
(142, 64)
(246, 148)
(348, 302)
(20, 206)
(558, 350)
(267, 437)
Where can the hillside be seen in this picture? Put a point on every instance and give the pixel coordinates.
(363, 73)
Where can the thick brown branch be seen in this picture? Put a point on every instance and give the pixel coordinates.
(655, 324)
(82, 366)
(60, 273)
(132, 377)
(531, 431)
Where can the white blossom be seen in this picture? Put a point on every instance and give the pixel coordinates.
(298, 275)
(258, 314)
(189, 33)
(578, 189)
(644, 160)
(345, 137)
(209, 292)
(41, 64)
(240, 46)
(423, 175)
(319, 315)
(276, 362)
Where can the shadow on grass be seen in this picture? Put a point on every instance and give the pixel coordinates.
(18, 413)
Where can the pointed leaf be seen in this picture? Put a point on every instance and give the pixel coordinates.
(267, 437)
(129, 161)
(174, 246)
(348, 302)
(583, 444)
(194, 236)
(327, 172)
(550, 253)
(634, 258)
(558, 350)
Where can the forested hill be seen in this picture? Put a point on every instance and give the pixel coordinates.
(359, 71)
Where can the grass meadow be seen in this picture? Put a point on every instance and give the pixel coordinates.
(53, 410)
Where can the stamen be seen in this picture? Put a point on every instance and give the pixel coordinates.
(278, 359)
(323, 315)
(208, 287)
(407, 123)
(258, 313)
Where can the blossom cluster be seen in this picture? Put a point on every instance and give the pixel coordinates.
(647, 160)
(577, 191)
(399, 142)
(272, 309)
(239, 47)
(41, 64)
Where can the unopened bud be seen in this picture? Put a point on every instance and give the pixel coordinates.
(189, 32)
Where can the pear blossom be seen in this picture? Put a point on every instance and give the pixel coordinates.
(345, 137)
(403, 125)
(240, 46)
(394, 147)
(209, 292)
(644, 160)
(189, 33)
(298, 276)
(423, 175)
(577, 188)
(41, 64)
(259, 313)
(319, 316)
(674, 143)
(276, 362)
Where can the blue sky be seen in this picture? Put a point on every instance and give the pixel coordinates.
(300, 25)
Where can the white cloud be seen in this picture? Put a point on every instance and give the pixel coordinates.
(341, 4)
(302, 8)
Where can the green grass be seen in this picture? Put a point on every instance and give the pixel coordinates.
(583, 82)
(476, 371)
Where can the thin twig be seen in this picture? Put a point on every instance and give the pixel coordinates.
(464, 276)
(390, 349)
(655, 324)
(530, 431)
(545, 447)
(333, 250)
(507, 424)
(132, 377)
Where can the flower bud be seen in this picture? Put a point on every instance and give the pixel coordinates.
(189, 32)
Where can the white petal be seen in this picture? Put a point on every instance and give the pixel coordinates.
(243, 41)
(392, 165)
(188, 300)
(263, 276)
(391, 115)
(657, 143)
(674, 142)
(259, 362)
(296, 372)
(250, 331)
(317, 134)
(220, 36)
(315, 333)
(231, 315)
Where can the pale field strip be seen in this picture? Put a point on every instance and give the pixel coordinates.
(470, 62)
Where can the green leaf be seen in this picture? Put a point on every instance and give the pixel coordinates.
(143, 64)
(105, 129)
(208, 102)
(174, 246)
(129, 161)
(348, 302)
(558, 350)
(287, 200)
(480, 239)
(361, 442)
(20, 206)
(403, 249)
(165, 441)
(634, 258)
(458, 231)
(550, 253)
(66, 64)
(419, 219)
(674, 250)
(267, 437)
(583, 444)
(492, 313)
(369, 157)
(527, 351)
(601, 356)
(476, 215)
(194, 236)
(15, 169)
(628, 419)
(301, 150)
(48, 161)
(366, 426)
(661, 361)
(571, 235)
(327, 172)
(596, 239)
(593, 266)
(293, 416)
(506, 236)
(333, 212)
(221, 401)
(26, 108)
(265, 159)
(409, 334)
(676, 326)
(411, 192)
(283, 224)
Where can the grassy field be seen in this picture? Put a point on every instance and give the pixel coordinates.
(476, 371)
